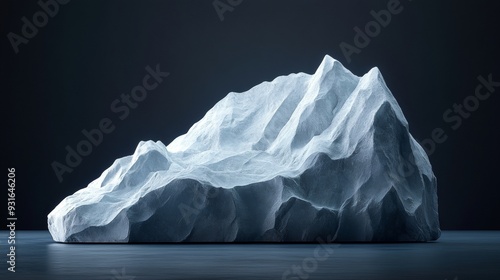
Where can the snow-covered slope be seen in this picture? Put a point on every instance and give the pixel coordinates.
(301, 157)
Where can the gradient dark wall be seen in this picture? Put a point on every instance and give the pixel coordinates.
(67, 76)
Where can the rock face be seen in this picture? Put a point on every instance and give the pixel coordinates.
(327, 155)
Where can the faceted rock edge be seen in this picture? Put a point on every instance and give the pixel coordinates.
(302, 157)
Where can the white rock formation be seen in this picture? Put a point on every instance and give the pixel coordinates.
(301, 157)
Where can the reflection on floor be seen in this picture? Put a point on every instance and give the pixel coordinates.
(456, 255)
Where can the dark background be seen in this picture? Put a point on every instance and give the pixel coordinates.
(66, 77)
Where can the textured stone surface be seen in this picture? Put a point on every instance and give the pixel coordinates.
(305, 156)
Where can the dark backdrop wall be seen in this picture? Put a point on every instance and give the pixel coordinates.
(67, 75)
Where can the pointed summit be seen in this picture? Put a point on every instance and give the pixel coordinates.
(328, 64)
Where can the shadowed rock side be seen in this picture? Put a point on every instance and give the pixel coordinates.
(302, 157)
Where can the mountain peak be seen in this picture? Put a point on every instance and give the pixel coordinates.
(328, 64)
